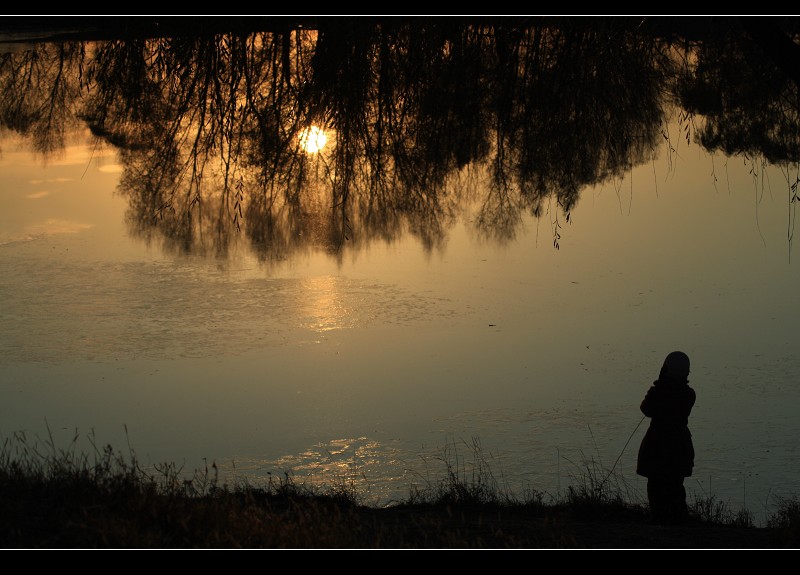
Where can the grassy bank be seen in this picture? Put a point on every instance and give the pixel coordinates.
(58, 498)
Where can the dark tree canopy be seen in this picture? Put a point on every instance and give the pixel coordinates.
(425, 118)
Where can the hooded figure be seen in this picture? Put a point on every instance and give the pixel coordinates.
(666, 454)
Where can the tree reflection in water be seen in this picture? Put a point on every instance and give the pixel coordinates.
(427, 120)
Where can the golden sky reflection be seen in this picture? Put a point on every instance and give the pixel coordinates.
(68, 194)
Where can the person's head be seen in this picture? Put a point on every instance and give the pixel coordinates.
(676, 367)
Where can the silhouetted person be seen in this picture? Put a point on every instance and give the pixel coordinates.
(666, 455)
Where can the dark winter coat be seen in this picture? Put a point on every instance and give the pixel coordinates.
(667, 450)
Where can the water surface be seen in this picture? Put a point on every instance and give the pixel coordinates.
(383, 366)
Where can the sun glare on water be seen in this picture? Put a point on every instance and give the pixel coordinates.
(313, 139)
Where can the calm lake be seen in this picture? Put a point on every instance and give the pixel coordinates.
(378, 364)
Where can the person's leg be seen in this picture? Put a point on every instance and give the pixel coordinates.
(658, 497)
(681, 508)
(675, 510)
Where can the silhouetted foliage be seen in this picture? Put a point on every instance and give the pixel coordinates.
(750, 104)
(427, 118)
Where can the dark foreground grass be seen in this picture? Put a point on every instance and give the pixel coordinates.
(57, 499)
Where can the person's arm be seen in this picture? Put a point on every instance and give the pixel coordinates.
(647, 406)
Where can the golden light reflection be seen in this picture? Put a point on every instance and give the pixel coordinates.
(313, 139)
(367, 465)
(322, 307)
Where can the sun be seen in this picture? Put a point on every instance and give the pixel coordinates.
(312, 139)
